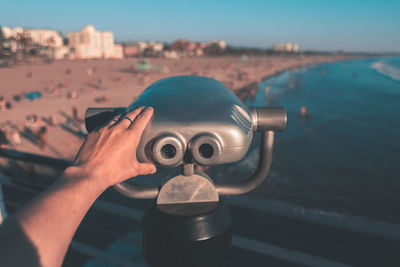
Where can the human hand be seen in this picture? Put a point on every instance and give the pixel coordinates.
(109, 153)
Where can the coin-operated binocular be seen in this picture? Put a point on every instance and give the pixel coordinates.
(197, 121)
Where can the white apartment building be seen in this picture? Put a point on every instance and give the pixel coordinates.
(11, 37)
(44, 37)
(11, 32)
(50, 42)
(90, 43)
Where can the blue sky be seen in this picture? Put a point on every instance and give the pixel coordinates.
(352, 25)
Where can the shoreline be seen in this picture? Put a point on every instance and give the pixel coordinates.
(251, 88)
(67, 88)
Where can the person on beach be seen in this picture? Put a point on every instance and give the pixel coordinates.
(304, 112)
(2, 103)
(267, 88)
(3, 139)
(75, 116)
(40, 233)
(52, 120)
(42, 137)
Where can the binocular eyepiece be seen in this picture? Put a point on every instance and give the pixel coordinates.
(170, 150)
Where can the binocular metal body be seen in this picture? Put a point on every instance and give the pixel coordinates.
(197, 121)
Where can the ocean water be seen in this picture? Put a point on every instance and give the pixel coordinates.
(345, 156)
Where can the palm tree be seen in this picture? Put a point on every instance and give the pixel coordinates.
(1, 42)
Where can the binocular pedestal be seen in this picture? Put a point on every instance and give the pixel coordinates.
(194, 234)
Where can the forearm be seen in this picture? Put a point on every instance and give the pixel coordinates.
(40, 233)
(51, 220)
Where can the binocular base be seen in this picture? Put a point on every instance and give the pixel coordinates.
(173, 237)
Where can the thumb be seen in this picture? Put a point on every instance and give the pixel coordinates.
(146, 168)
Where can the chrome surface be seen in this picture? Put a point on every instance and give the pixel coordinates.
(259, 176)
(195, 188)
(197, 121)
(134, 191)
(168, 150)
(268, 118)
(195, 110)
(188, 169)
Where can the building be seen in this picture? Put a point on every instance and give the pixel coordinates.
(171, 54)
(286, 48)
(141, 48)
(43, 37)
(90, 43)
(54, 52)
(10, 40)
(214, 47)
(187, 48)
(9, 33)
(183, 46)
(47, 43)
(41, 42)
(221, 44)
(131, 50)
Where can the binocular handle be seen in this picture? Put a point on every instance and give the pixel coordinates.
(265, 120)
(264, 165)
(268, 119)
(259, 176)
(133, 191)
(95, 117)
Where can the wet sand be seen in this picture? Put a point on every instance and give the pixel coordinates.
(65, 85)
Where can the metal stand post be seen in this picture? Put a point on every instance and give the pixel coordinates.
(194, 234)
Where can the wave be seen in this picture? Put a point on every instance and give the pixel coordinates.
(387, 69)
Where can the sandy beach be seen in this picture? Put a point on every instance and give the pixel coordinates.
(43, 104)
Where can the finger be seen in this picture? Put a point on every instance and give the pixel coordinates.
(141, 121)
(146, 168)
(125, 120)
(113, 121)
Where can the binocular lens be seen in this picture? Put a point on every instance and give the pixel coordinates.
(168, 151)
(206, 151)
